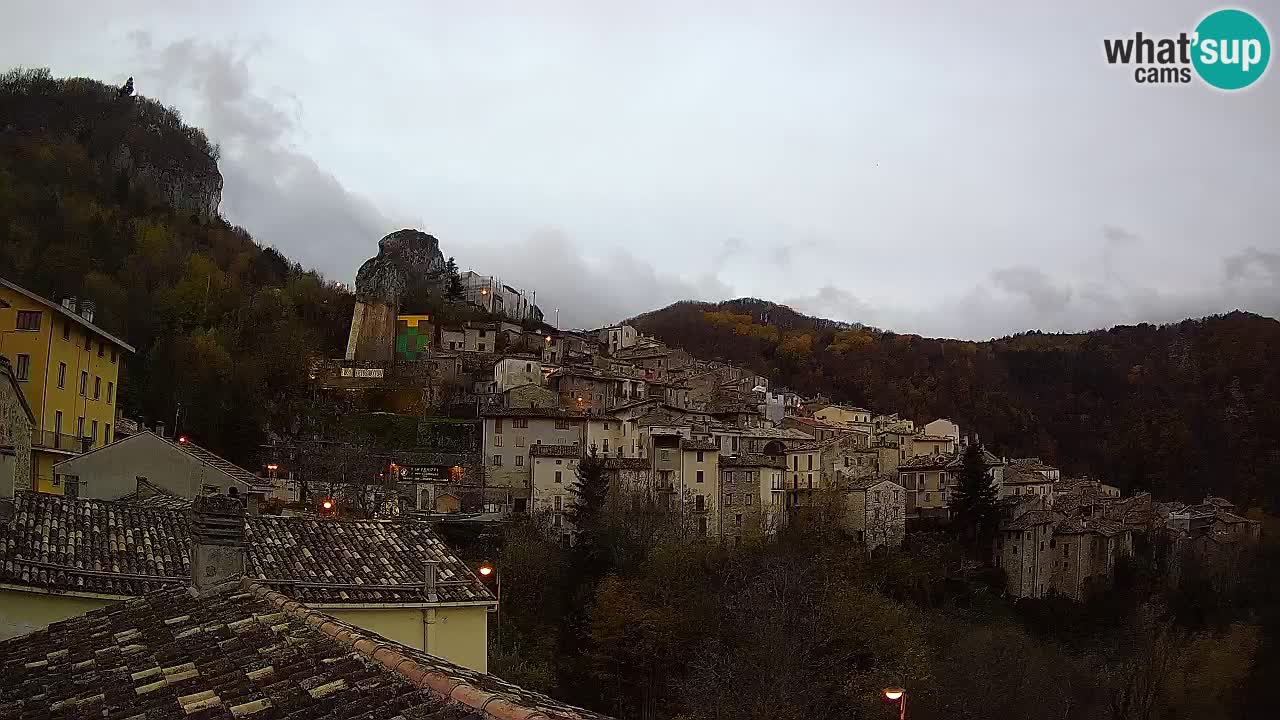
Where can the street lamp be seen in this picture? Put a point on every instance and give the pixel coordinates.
(898, 695)
(489, 570)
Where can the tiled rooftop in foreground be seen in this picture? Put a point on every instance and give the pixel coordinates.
(246, 652)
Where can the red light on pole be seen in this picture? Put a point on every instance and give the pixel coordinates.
(182, 439)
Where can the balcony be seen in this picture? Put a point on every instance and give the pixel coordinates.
(48, 440)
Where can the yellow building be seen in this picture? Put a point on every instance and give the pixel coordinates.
(69, 370)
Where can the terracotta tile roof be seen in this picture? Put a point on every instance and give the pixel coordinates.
(112, 548)
(617, 463)
(1031, 464)
(560, 451)
(213, 460)
(934, 438)
(1080, 526)
(699, 445)
(243, 652)
(150, 495)
(945, 460)
(1021, 475)
(1233, 519)
(1033, 518)
(752, 460)
(532, 412)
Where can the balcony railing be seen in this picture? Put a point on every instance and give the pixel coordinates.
(60, 441)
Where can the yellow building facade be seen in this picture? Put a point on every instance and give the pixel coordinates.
(69, 371)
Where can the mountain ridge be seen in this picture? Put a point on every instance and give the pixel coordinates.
(1182, 409)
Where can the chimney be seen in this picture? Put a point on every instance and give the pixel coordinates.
(432, 596)
(69, 303)
(217, 541)
(160, 429)
(87, 309)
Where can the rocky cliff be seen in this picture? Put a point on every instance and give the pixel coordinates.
(407, 261)
(140, 147)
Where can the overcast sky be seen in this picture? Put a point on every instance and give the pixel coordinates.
(936, 168)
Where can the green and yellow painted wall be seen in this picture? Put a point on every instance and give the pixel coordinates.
(413, 336)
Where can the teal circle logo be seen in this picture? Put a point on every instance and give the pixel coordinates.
(1231, 49)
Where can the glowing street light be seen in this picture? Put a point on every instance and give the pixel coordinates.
(327, 504)
(486, 570)
(898, 695)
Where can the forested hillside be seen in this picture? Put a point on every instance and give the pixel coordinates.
(111, 198)
(1180, 410)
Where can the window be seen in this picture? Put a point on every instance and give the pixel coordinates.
(62, 375)
(606, 426)
(942, 479)
(879, 496)
(57, 480)
(746, 499)
(699, 460)
(481, 347)
(519, 461)
(606, 445)
(735, 443)
(699, 476)
(106, 434)
(519, 441)
(84, 381)
(57, 423)
(28, 320)
(113, 356)
(559, 461)
(559, 500)
(810, 481)
(80, 427)
(66, 330)
(102, 348)
(497, 441)
(810, 461)
(846, 461)
(88, 343)
(497, 461)
(699, 503)
(562, 424)
(97, 388)
(497, 426)
(557, 520)
(558, 478)
(93, 434)
(23, 370)
(519, 422)
(528, 367)
(738, 519)
(795, 462)
(928, 496)
(664, 455)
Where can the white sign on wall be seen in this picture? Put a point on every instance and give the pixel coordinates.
(362, 372)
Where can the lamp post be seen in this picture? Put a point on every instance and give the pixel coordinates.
(487, 570)
(898, 695)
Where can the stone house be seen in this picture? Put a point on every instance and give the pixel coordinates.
(875, 511)
(753, 497)
(16, 423)
(508, 435)
(553, 474)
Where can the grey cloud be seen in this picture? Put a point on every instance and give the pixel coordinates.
(1045, 295)
(279, 194)
(1116, 235)
(589, 291)
(1253, 263)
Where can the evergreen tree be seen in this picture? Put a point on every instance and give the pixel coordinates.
(586, 510)
(454, 290)
(974, 501)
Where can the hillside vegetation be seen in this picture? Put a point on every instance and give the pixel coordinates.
(1181, 410)
(114, 199)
